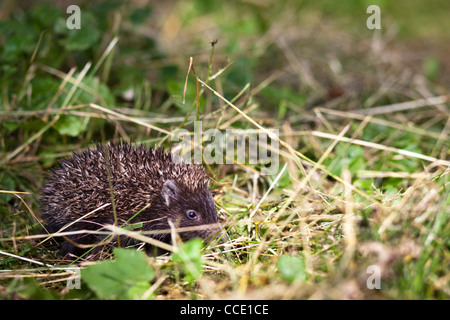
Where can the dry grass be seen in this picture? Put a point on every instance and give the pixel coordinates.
(348, 194)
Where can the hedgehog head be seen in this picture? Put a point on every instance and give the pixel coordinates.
(192, 210)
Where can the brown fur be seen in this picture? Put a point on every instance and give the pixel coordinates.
(139, 176)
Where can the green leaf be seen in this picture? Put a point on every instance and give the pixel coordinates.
(291, 268)
(140, 15)
(190, 257)
(10, 125)
(45, 16)
(350, 157)
(79, 39)
(126, 277)
(27, 288)
(431, 67)
(6, 183)
(69, 125)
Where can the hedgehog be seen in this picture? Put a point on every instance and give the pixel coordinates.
(127, 185)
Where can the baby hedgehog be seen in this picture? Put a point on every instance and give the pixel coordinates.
(148, 188)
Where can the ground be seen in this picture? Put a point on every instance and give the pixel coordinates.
(357, 121)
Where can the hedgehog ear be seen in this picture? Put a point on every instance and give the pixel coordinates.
(169, 190)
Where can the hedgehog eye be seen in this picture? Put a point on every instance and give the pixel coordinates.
(191, 214)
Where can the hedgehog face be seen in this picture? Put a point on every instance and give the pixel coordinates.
(193, 209)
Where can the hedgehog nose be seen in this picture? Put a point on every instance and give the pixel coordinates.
(221, 237)
(216, 236)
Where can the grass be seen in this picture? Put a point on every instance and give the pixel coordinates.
(363, 143)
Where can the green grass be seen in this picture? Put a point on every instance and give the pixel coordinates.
(363, 178)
